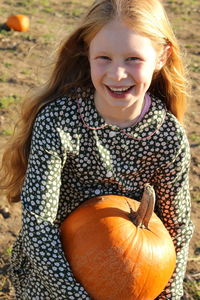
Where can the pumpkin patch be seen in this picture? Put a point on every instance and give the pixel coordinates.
(118, 248)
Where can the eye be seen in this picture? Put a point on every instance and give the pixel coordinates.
(132, 58)
(103, 57)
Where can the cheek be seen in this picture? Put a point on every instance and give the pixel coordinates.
(143, 73)
(96, 73)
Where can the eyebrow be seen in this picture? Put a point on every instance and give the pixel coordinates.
(128, 54)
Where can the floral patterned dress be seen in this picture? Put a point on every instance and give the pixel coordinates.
(74, 156)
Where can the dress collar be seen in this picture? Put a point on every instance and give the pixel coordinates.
(144, 129)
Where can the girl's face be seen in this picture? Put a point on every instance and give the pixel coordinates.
(122, 64)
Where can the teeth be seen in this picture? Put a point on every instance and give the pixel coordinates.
(119, 89)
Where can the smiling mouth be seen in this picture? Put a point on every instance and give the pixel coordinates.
(120, 90)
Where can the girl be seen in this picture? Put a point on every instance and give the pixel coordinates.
(107, 122)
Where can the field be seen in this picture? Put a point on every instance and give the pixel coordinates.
(26, 60)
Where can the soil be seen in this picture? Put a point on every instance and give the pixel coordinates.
(27, 59)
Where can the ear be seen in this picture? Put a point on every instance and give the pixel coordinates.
(163, 57)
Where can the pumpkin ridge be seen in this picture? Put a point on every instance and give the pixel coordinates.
(134, 240)
(146, 275)
(139, 251)
(152, 275)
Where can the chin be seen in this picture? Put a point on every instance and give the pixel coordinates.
(122, 103)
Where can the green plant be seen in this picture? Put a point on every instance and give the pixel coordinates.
(3, 78)
(194, 67)
(7, 65)
(76, 12)
(41, 21)
(189, 46)
(25, 3)
(48, 10)
(195, 196)
(28, 37)
(6, 132)
(195, 137)
(192, 288)
(44, 2)
(48, 36)
(6, 101)
(26, 71)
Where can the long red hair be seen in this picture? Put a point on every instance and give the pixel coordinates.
(147, 17)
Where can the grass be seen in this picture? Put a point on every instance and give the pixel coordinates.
(48, 36)
(7, 253)
(76, 12)
(5, 31)
(6, 101)
(44, 2)
(194, 67)
(28, 37)
(26, 71)
(25, 3)
(183, 2)
(195, 137)
(7, 65)
(190, 2)
(3, 78)
(196, 198)
(189, 46)
(41, 21)
(184, 11)
(5, 285)
(49, 10)
(197, 245)
(193, 289)
(6, 132)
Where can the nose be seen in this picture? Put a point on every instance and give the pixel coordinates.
(117, 73)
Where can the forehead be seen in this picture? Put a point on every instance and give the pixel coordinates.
(119, 36)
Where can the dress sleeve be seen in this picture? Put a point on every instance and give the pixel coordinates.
(173, 207)
(40, 198)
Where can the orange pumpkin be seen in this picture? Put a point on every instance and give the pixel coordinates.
(118, 248)
(18, 22)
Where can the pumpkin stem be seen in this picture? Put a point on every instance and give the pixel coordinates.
(145, 210)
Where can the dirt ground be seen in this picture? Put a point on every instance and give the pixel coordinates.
(26, 59)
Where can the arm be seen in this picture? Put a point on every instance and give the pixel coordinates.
(173, 207)
(40, 198)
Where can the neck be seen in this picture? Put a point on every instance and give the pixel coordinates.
(118, 116)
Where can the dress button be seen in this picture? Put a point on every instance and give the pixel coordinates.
(112, 134)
